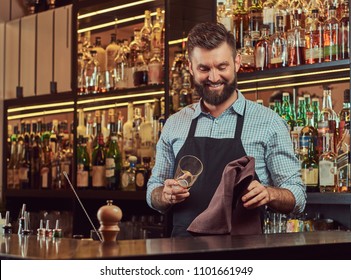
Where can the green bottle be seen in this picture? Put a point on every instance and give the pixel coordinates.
(83, 164)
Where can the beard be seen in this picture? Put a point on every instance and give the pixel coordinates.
(213, 97)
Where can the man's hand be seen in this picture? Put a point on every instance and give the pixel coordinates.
(256, 195)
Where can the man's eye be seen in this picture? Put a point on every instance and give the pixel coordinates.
(222, 68)
(203, 69)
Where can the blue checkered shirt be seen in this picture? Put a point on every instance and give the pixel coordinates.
(265, 137)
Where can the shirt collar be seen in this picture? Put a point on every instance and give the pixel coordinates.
(238, 106)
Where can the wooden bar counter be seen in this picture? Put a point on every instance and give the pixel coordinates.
(308, 245)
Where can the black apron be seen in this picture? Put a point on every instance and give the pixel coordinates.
(215, 154)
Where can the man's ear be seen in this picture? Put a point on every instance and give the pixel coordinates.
(237, 62)
(191, 68)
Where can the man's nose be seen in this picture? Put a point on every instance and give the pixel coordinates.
(214, 75)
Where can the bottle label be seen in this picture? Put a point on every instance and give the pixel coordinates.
(23, 173)
(10, 178)
(44, 177)
(125, 180)
(110, 167)
(140, 179)
(82, 177)
(98, 176)
(326, 173)
(260, 57)
(304, 141)
(310, 176)
(16, 176)
(155, 74)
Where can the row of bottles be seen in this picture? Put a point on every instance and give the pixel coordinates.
(321, 140)
(287, 33)
(123, 63)
(38, 154)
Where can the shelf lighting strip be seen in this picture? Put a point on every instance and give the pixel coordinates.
(115, 8)
(116, 105)
(111, 98)
(178, 41)
(111, 23)
(35, 107)
(39, 114)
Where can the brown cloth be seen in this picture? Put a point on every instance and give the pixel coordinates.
(225, 213)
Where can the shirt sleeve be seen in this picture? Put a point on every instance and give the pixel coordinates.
(164, 163)
(283, 165)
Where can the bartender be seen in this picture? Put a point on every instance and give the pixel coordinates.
(223, 126)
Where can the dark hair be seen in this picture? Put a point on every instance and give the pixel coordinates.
(209, 36)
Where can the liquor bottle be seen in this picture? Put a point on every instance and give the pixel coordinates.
(12, 167)
(241, 24)
(255, 20)
(140, 75)
(25, 160)
(308, 133)
(308, 106)
(297, 6)
(156, 33)
(113, 164)
(314, 39)
(98, 164)
(296, 42)
(146, 134)
(328, 167)
(121, 66)
(286, 113)
(83, 164)
(101, 59)
(277, 106)
(89, 134)
(315, 110)
(137, 121)
(344, 33)
(145, 37)
(45, 165)
(142, 174)
(185, 94)
(155, 68)
(105, 132)
(92, 72)
(301, 114)
(111, 53)
(331, 36)
(81, 128)
(262, 57)
(309, 169)
(156, 114)
(81, 64)
(268, 15)
(278, 49)
(128, 175)
(128, 132)
(247, 54)
(174, 93)
(344, 114)
(223, 17)
(56, 167)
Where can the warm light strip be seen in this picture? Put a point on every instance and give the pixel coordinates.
(111, 23)
(41, 113)
(294, 85)
(115, 105)
(293, 76)
(115, 8)
(40, 106)
(177, 41)
(111, 98)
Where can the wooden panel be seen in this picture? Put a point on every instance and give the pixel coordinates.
(18, 9)
(44, 52)
(63, 45)
(5, 11)
(27, 64)
(2, 61)
(11, 58)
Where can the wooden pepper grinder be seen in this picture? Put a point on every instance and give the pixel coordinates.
(109, 216)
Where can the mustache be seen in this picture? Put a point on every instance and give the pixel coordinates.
(209, 83)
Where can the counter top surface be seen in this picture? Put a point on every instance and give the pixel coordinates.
(289, 245)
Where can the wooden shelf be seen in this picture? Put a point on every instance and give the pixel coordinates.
(329, 198)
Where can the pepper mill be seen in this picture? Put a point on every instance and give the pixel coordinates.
(109, 216)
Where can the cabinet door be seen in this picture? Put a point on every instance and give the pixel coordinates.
(27, 54)
(45, 31)
(62, 45)
(12, 30)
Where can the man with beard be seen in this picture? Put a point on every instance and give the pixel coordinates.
(223, 126)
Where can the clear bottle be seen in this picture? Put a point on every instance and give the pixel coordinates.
(328, 166)
(241, 24)
(296, 42)
(145, 36)
(128, 132)
(247, 54)
(101, 59)
(81, 128)
(309, 169)
(157, 31)
(314, 39)
(92, 73)
(111, 53)
(121, 69)
(344, 27)
(174, 93)
(83, 164)
(128, 175)
(262, 57)
(223, 17)
(155, 68)
(255, 20)
(331, 36)
(147, 143)
(278, 49)
(81, 64)
(268, 15)
(140, 75)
